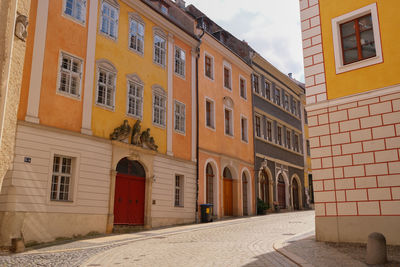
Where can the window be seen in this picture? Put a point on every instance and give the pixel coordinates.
(228, 122)
(136, 36)
(179, 190)
(159, 107)
(308, 148)
(106, 88)
(210, 113)
(286, 101)
(305, 117)
(70, 75)
(209, 66)
(227, 77)
(61, 179)
(164, 9)
(135, 99)
(244, 129)
(279, 135)
(109, 20)
(288, 139)
(179, 117)
(296, 143)
(277, 96)
(356, 39)
(159, 50)
(179, 61)
(258, 125)
(255, 84)
(76, 9)
(243, 89)
(268, 90)
(294, 107)
(269, 130)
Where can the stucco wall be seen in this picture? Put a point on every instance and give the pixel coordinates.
(12, 52)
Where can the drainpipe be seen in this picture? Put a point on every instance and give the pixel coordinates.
(197, 124)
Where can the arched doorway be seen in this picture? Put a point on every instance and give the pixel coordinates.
(129, 193)
(295, 194)
(245, 197)
(281, 192)
(209, 184)
(228, 192)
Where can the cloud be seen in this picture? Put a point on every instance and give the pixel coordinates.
(271, 27)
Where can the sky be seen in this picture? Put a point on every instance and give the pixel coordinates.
(271, 27)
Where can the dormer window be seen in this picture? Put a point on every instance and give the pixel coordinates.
(164, 9)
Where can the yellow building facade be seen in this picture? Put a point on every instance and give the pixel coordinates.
(353, 97)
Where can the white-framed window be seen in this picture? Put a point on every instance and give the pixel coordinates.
(294, 107)
(279, 134)
(356, 39)
(109, 19)
(268, 90)
(159, 107)
(70, 75)
(61, 181)
(296, 146)
(286, 101)
(288, 138)
(244, 129)
(76, 9)
(255, 83)
(135, 98)
(210, 114)
(243, 87)
(179, 189)
(159, 53)
(136, 35)
(164, 9)
(228, 115)
(269, 130)
(180, 61)
(209, 66)
(257, 125)
(106, 82)
(180, 117)
(227, 71)
(277, 96)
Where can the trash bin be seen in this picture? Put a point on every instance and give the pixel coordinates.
(206, 212)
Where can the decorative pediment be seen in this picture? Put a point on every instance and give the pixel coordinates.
(228, 101)
(134, 77)
(106, 64)
(136, 17)
(157, 89)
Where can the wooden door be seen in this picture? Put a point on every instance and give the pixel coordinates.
(228, 197)
(295, 193)
(245, 208)
(281, 195)
(129, 200)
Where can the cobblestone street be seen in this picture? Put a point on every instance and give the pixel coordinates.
(237, 242)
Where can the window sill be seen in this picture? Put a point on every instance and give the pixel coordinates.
(210, 128)
(180, 132)
(77, 21)
(358, 64)
(160, 126)
(105, 35)
(136, 51)
(65, 94)
(109, 108)
(159, 65)
(183, 77)
(134, 116)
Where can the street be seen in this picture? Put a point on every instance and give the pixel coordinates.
(237, 242)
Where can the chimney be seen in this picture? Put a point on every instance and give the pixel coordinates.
(180, 3)
(290, 75)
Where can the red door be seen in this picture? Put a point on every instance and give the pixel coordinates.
(129, 200)
(228, 201)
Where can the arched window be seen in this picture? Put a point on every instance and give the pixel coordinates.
(129, 167)
(245, 197)
(227, 173)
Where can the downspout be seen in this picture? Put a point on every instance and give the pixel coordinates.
(254, 137)
(197, 124)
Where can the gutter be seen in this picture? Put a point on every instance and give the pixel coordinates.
(197, 125)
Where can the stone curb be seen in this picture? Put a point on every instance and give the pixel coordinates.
(279, 247)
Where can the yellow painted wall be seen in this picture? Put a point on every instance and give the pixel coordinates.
(371, 77)
(128, 62)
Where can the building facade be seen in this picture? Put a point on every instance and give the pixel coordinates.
(280, 160)
(104, 135)
(226, 175)
(353, 98)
